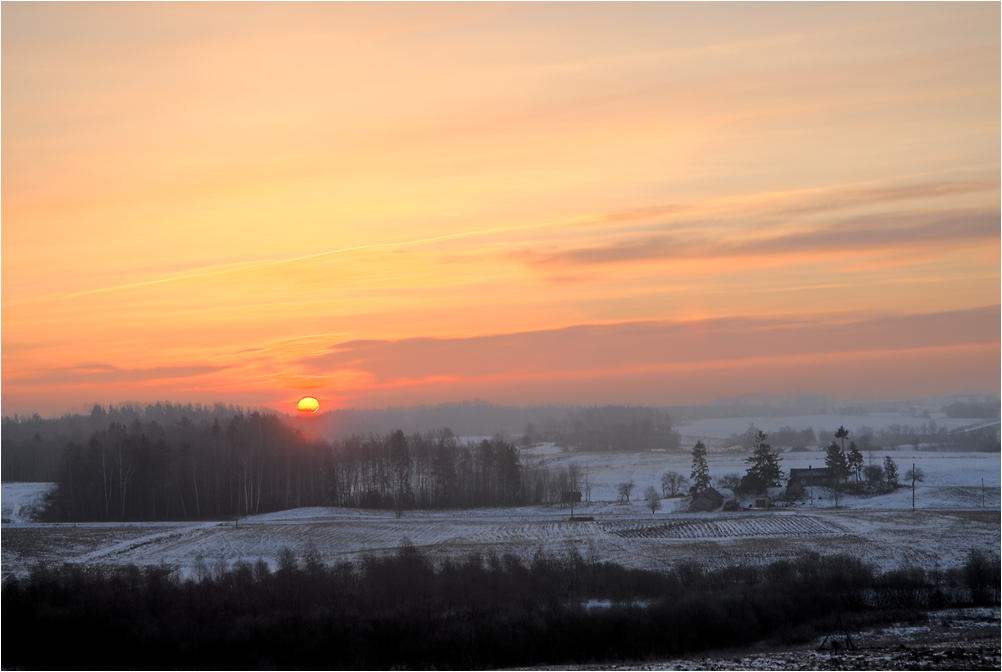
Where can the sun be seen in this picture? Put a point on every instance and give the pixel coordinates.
(308, 405)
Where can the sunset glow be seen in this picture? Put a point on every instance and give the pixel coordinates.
(556, 203)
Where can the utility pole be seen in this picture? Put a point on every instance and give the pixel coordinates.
(810, 478)
(913, 485)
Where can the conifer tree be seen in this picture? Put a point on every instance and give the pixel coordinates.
(700, 470)
(854, 460)
(764, 463)
(842, 433)
(891, 472)
(835, 460)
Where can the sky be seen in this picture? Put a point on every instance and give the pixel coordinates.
(395, 205)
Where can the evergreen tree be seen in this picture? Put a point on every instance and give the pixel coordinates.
(891, 472)
(764, 463)
(854, 460)
(700, 470)
(835, 460)
(842, 433)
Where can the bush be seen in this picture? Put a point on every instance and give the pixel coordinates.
(730, 482)
(400, 610)
(981, 576)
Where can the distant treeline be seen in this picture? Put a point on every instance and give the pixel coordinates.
(783, 437)
(183, 470)
(435, 470)
(249, 464)
(32, 447)
(586, 427)
(401, 612)
(980, 439)
(613, 428)
(972, 410)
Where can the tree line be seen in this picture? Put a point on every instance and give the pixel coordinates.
(984, 439)
(179, 471)
(256, 463)
(436, 470)
(32, 446)
(402, 611)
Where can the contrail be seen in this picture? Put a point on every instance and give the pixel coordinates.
(211, 271)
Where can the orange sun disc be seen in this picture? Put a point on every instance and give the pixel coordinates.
(308, 405)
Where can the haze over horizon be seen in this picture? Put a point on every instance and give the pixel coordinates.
(396, 205)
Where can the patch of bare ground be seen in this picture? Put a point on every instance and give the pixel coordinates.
(986, 516)
(24, 546)
(953, 639)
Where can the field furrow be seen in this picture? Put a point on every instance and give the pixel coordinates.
(758, 526)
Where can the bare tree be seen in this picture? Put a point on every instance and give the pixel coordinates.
(574, 475)
(652, 498)
(854, 460)
(672, 483)
(729, 481)
(624, 490)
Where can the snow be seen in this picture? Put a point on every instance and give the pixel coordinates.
(948, 521)
(952, 479)
(22, 501)
(538, 449)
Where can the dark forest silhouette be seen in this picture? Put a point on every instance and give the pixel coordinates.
(182, 462)
(257, 463)
(479, 612)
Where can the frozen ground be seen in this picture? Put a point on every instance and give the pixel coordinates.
(21, 502)
(952, 479)
(887, 538)
(949, 519)
(951, 639)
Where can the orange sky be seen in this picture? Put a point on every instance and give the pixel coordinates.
(388, 204)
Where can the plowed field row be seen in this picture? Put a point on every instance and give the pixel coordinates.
(772, 526)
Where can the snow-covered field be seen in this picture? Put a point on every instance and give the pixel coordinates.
(21, 502)
(722, 428)
(949, 520)
(952, 479)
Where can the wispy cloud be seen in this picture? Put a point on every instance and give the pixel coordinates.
(203, 197)
(651, 344)
(96, 373)
(874, 232)
(838, 199)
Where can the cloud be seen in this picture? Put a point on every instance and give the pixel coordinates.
(871, 233)
(96, 373)
(837, 199)
(643, 345)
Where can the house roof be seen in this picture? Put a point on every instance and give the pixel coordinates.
(712, 495)
(820, 471)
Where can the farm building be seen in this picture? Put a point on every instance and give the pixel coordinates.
(706, 500)
(801, 479)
